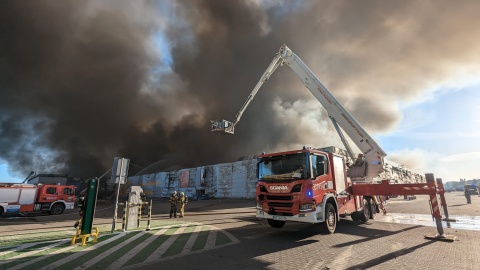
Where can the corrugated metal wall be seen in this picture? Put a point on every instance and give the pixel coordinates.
(226, 180)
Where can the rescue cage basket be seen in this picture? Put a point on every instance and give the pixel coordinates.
(221, 126)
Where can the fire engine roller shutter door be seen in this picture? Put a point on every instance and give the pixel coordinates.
(27, 196)
(9, 194)
(339, 174)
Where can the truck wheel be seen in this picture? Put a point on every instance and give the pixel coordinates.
(276, 223)
(330, 223)
(1, 211)
(355, 216)
(364, 215)
(370, 205)
(374, 209)
(57, 209)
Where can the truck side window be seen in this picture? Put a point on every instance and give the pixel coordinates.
(67, 191)
(51, 190)
(319, 165)
(322, 165)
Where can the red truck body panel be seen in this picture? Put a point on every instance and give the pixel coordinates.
(28, 198)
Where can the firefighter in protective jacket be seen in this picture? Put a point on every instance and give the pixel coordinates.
(173, 204)
(183, 200)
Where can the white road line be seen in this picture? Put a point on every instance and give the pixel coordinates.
(41, 258)
(191, 240)
(80, 253)
(17, 248)
(127, 256)
(26, 254)
(212, 237)
(234, 241)
(165, 245)
(229, 235)
(107, 253)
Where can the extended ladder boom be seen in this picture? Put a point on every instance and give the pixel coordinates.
(339, 116)
(226, 127)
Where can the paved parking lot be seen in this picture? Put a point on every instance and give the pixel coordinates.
(224, 234)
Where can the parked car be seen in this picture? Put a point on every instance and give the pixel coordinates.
(472, 188)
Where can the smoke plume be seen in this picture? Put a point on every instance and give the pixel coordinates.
(82, 82)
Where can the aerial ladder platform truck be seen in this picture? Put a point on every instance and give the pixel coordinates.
(321, 185)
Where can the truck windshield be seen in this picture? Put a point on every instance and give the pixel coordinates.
(285, 167)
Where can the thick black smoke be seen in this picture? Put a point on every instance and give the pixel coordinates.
(83, 81)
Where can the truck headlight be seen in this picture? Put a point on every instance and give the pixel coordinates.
(305, 207)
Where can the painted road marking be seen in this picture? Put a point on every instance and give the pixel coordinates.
(41, 258)
(212, 237)
(78, 254)
(229, 235)
(233, 240)
(165, 245)
(27, 254)
(120, 250)
(22, 247)
(101, 256)
(188, 246)
(126, 257)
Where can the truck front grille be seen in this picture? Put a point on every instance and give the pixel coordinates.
(280, 204)
(279, 198)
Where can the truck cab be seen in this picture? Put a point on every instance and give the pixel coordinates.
(301, 185)
(55, 198)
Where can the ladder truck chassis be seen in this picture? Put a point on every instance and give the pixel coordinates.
(321, 185)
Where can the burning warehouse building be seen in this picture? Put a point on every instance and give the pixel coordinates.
(225, 180)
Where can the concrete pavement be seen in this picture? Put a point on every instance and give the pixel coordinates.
(224, 234)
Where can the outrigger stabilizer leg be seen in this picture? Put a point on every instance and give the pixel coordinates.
(441, 192)
(435, 208)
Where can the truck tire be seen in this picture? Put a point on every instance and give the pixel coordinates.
(56, 209)
(356, 216)
(370, 205)
(364, 214)
(1, 211)
(366, 209)
(276, 223)
(330, 223)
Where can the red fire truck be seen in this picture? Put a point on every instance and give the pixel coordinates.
(320, 185)
(28, 198)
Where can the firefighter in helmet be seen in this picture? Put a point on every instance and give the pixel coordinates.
(183, 200)
(173, 204)
(468, 195)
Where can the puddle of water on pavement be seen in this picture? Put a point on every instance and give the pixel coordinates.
(462, 222)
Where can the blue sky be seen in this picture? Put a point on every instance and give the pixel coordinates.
(5, 176)
(445, 122)
(443, 131)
